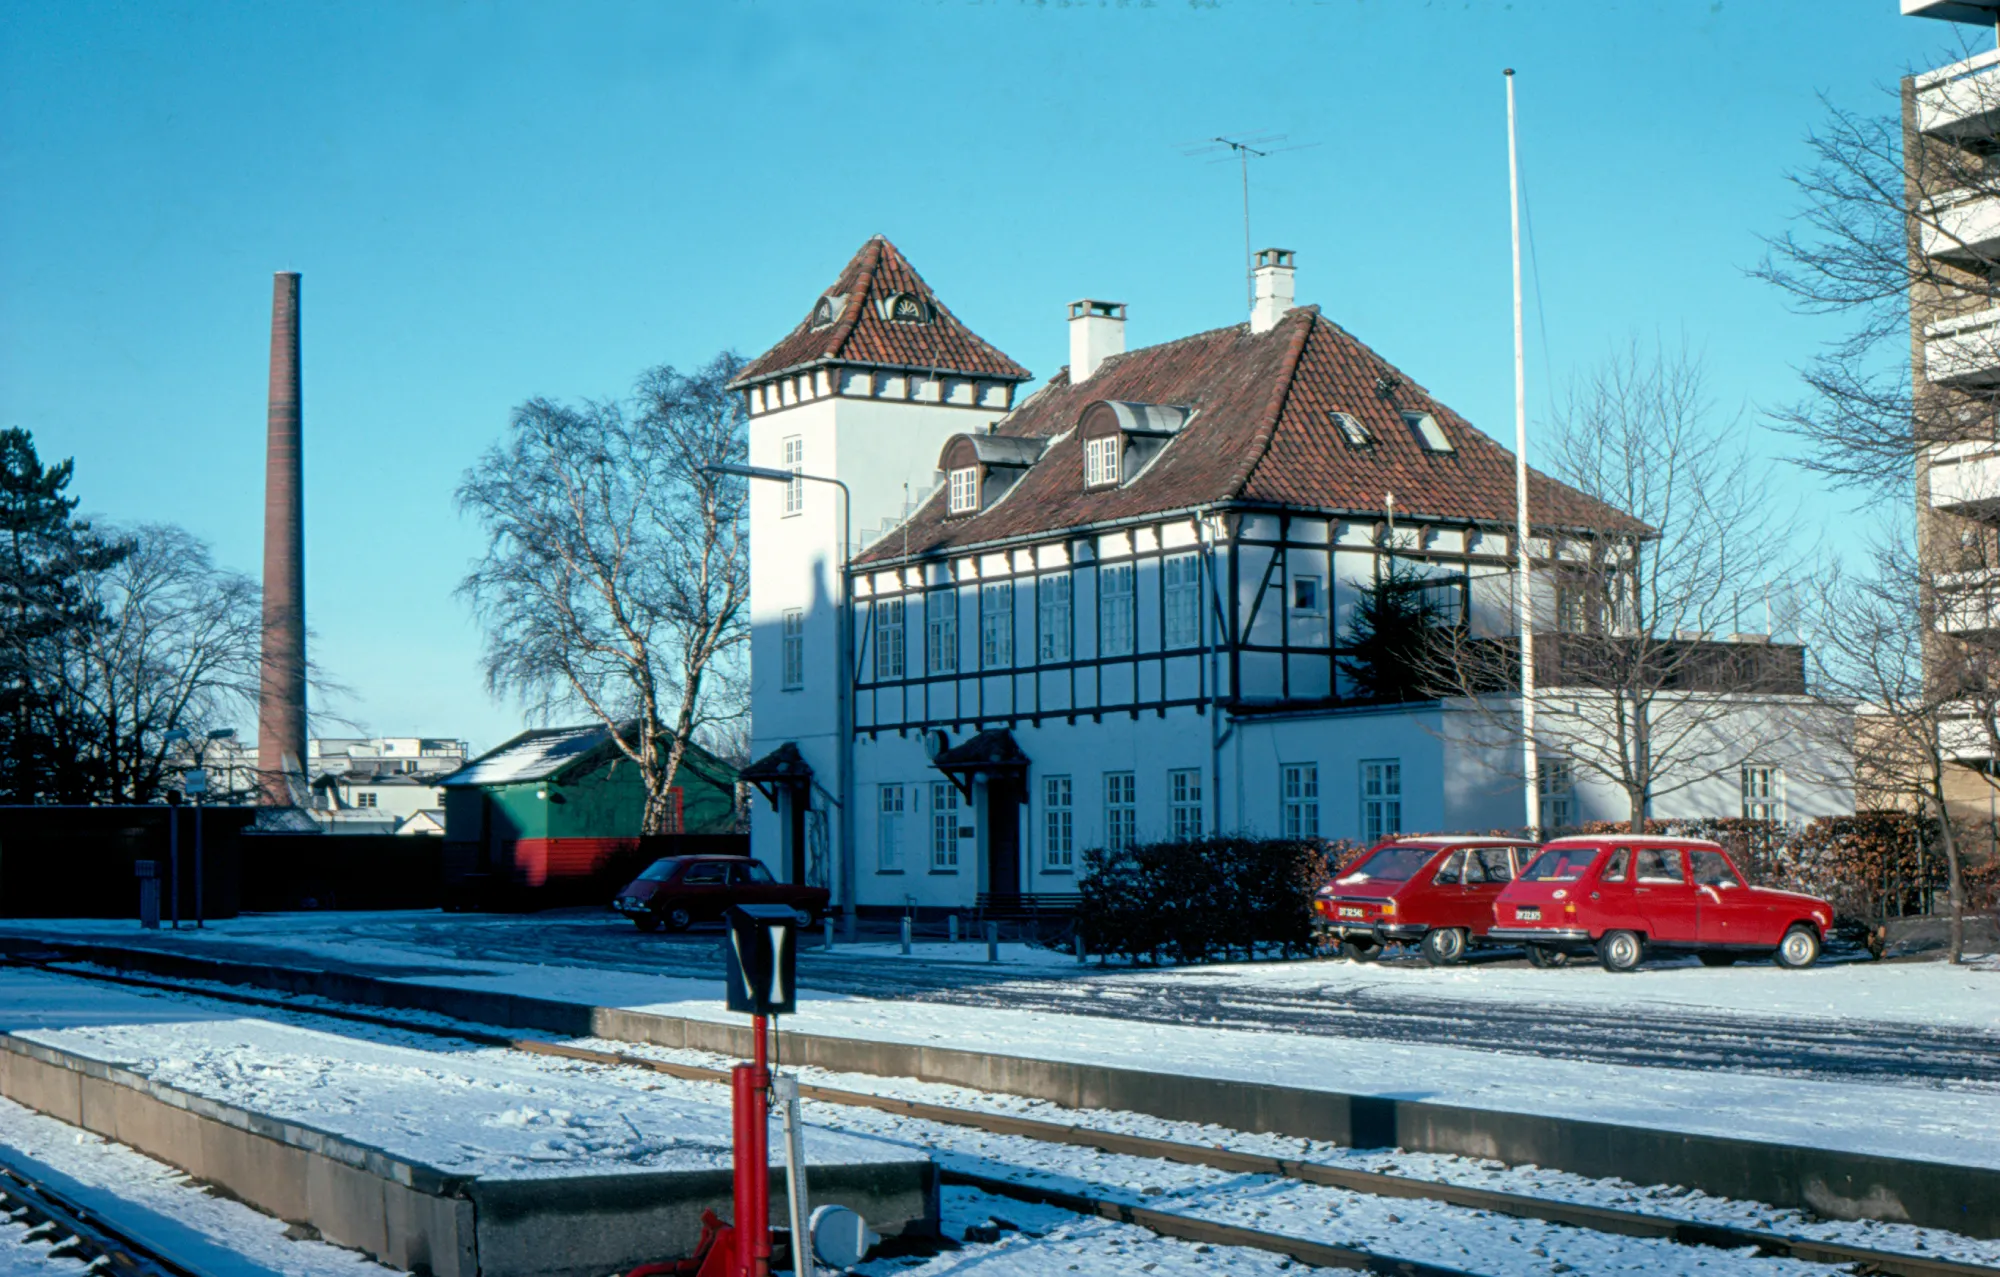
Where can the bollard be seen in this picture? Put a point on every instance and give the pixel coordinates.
(953, 927)
(906, 935)
(826, 930)
(1079, 948)
(993, 942)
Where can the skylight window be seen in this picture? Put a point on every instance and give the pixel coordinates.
(1428, 431)
(1354, 432)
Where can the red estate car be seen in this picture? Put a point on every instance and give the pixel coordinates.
(679, 891)
(1435, 891)
(1625, 894)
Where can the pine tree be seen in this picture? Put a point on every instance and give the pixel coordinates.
(1393, 640)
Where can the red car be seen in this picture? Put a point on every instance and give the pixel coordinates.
(679, 891)
(1624, 895)
(1437, 892)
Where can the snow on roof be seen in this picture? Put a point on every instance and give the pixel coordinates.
(530, 756)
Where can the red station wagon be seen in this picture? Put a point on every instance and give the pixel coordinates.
(1435, 891)
(1625, 894)
(679, 891)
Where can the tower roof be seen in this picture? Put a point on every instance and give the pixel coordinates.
(881, 313)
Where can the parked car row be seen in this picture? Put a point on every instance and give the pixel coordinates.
(1619, 896)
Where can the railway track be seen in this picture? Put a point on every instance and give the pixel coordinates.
(1375, 1183)
(76, 1232)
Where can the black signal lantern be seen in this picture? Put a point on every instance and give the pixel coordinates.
(763, 959)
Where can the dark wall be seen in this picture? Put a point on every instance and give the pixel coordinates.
(76, 862)
(283, 872)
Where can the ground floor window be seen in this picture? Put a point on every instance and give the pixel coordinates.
(1381, 798)
(1556, 783)
(1763, 793)
(1184, 803)
(944, 827)
(1058, 824)
(1298, 797)
(892, 803)
(1121, 811)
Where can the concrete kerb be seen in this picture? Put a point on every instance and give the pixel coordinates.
(1831, 1183)
(414, 1216)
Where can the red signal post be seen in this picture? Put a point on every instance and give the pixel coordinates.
(751, 1090)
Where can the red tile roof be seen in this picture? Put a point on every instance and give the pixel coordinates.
(1262, 434)
(861, 333)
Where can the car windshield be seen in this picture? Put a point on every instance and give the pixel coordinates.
(1391, 864)
(660, 870)
(1563, 864)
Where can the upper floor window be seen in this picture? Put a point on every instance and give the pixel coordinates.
(1427, 430)
(1354, 432)
(795, 461)
(1182, 582)
(996, 625)
(964, 490)
(941, 617)
(1052, 630)
(889, 639)
(1115, 616)
(1100, 460)
(1305, 594)
(795, 649)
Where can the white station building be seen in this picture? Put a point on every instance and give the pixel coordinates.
(1111, 611)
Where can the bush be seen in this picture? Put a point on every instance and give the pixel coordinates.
(1205, 900)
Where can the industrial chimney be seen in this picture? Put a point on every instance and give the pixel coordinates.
(281, 688)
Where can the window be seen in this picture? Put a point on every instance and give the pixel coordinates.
(795, 461)
(1184, 803)
(823, 313)
(1354, 432)
(1100, 460)
(1660, 864)
(1763, 793)
(1427, 430)
(1556, 782)
(906, 308)
(944, 827)
(1712, 869)
(1115, 618)
(365, 799)
(1305, 594)
(1121, 811)
(750, 873)
(705, 873)
(1058, 825)
(1298, 795)
(1489, 864)
(1452, 872)
(1182, 574)
(965, 490)
(1381, 797)
(795, 649)
(1052, 630)
(941, 617)
(996, 626)
(889, 639)
(1617, 867)
(891, 802)
(1564, 865)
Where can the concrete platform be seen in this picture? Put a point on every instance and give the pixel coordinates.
(413, 1216)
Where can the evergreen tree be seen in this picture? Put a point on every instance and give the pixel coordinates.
(1394, 639)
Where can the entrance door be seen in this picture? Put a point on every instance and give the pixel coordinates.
(1003, 838)
(794, 816)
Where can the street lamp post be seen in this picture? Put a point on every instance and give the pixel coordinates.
(772, 474)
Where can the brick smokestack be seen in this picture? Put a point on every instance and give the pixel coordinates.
(281, 691)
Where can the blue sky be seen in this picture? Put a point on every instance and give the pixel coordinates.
(492, 201)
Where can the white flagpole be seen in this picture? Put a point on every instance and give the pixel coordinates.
(1524, 611)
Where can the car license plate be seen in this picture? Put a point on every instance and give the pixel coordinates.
(1528, 914)
(1349, 911)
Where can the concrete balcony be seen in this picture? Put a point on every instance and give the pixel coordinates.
(1964, 351)
(1961, 102)
(1969, 602)
(1962, 228)
(1965, 478)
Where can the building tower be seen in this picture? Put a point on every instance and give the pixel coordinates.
(865, 390)
(281, 688)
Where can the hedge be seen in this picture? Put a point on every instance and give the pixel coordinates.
(1209, 899)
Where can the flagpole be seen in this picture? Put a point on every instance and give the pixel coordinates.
(1524, 612)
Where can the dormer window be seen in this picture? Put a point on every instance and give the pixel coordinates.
(964, 490)
(823, 313)
(1427, 430)
(1100, 460)
(908, 308)
(1354, 432)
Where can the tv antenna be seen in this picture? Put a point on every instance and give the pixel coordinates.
(1242, 148)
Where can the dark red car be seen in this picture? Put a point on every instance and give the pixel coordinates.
(679, 891)
(1623, 895)
(1437, 892)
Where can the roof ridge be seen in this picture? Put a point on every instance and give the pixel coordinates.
(1267, 425)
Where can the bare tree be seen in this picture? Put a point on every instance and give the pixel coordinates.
(1633, 689)
(615, 577)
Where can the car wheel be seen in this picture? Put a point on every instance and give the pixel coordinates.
(1621, 950)
(808, 918)
(679, 918)
(645, 922)
(1711, 958)
(1444, 946)
(1799, 948)
(1547, 957)
(1360, 951)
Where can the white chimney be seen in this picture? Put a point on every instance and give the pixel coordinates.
(1272, 291)
(1096, 333)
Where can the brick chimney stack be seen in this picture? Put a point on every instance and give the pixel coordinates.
(281, 691)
